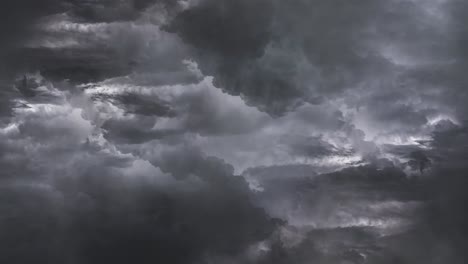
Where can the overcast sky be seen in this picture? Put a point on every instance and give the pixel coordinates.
(233, 131)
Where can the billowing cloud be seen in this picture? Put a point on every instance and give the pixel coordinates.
(203, 131)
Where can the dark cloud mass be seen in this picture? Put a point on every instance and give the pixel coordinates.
(233, 131)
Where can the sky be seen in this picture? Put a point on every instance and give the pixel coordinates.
(233, 131)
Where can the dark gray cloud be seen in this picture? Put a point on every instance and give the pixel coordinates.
(93, 204)
(107, 11)
(239, 29)
(350, 215)
(294, 52)
(19, 16)
(16, 20)
(445, 220)
(230, 36)
(99, 217)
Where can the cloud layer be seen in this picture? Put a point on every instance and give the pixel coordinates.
(203, 131)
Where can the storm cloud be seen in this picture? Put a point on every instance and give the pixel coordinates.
(233, 131)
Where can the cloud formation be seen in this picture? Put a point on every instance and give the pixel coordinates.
(203, 131)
